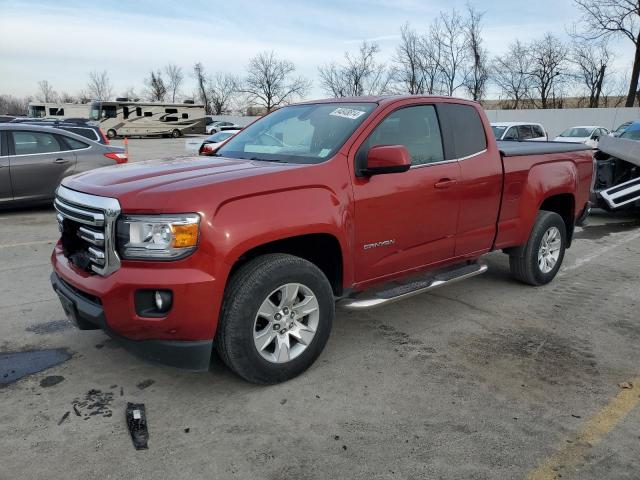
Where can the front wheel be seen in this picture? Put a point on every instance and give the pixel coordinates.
(111, 133)
(276, 318)
(175, 133)
(538, 261)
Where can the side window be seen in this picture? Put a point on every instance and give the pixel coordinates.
(171, 110)
(537, 131)
(125, 112)
(29, 143)
(109, 111)
(415, 127)
(512, 134)
(524, 132)
(56, 112)
(85, 132)
(148, 114)
(466, 135)
(185, 115)
(75, 144)
(139, 111)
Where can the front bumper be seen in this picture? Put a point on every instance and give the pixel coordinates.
(88, 314)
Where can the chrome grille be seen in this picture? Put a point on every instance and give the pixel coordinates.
(92, 219)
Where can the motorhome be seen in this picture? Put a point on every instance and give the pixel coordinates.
(59, 111)
(124, 117)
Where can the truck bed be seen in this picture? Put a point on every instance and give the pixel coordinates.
(513, 148)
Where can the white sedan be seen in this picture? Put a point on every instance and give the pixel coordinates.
(589, 135)
(211, 143)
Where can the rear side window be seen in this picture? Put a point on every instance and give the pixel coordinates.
(416, 128)
(466, 134)
(537, 131)
(148, 114)
(84, 132)
(524, 131)
(75, 144)
(29, 143)
(56, 112)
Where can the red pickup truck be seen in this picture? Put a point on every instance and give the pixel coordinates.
(352, 201)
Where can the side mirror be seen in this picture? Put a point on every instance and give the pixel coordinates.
(387, 159)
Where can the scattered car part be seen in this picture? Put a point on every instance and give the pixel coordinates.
(617, 173)
(137, 423)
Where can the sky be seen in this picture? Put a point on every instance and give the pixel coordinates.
(63, 40)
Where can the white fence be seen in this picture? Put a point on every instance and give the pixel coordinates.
(557, 120)
(554, 120)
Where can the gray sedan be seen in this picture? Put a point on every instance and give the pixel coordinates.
(35, 159)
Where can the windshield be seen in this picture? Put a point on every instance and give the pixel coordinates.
(498, 131)
(622, 127)
(298, 133)
(220, 136)
(95, 111)
(632, 133)
(576, 132)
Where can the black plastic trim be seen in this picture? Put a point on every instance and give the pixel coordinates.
(188, 355)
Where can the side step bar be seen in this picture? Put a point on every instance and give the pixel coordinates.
(622, 194)
(376, 298)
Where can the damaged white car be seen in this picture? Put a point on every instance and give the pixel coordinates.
(617, 179)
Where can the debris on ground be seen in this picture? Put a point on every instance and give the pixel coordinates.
(94, 403)
(64, 417)
(187, 430)
(283, 401)
(137, 423)
(49, 327)
(145, 383)
(625, 385)
(121, 391)
(51, 380)
(16, 365)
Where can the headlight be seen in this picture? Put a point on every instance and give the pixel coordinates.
(160, 237)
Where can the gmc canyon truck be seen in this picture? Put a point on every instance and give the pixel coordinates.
(352, 201)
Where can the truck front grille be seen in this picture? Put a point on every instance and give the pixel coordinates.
(87, 224)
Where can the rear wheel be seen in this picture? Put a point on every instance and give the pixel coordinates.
(175, 133)
(538, 261)
(111, 133)
(276, 318)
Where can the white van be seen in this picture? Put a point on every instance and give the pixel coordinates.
(519, 131)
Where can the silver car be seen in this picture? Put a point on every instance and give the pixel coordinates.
(35, 159)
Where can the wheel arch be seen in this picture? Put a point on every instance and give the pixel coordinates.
(564, 204)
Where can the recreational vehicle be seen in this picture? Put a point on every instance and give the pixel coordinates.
(131, 118)
(58, 110)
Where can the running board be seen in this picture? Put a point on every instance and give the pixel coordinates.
(622, 194)
(395, 292)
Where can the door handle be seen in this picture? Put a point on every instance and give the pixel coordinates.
(61, 160)
(445, 183)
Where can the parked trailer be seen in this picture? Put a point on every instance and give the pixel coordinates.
(58, 111)
(132, 118)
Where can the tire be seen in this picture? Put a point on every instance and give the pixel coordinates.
(175, 133)
(111, 133)
(256, 282)
(525, 263)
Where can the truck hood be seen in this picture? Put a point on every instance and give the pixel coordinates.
(156, 181)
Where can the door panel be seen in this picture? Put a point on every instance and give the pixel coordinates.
(407, 220)
(38, 165)
(5, 180)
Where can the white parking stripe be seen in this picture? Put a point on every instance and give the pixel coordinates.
(26, 244)
(615, 241)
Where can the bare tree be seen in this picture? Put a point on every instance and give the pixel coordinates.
(222, 88)
(201, 81)
(620, 18)
(548, 66)
(10, 105)
(360, 75)
(448, 33)
(592, 62)
(65, 97)
(478, 73)
(130, 93)
(99, 86)
(46, 93)
(409, 60)
(269, 81)
(510, 74)
(156, 89)
(174, 80)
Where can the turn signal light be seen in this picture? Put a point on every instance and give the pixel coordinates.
(185, 235)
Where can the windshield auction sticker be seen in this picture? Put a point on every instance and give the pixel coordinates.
(349, 113)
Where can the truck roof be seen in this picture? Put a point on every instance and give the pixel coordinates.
(380, 99)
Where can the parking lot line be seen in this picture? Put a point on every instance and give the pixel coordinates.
(619, 240)
(593, 432)
(26, 244)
